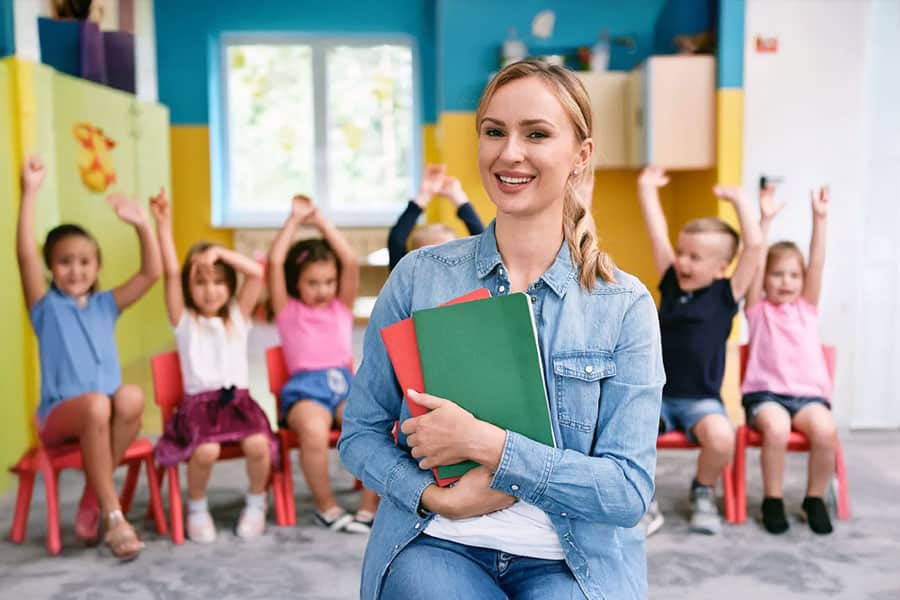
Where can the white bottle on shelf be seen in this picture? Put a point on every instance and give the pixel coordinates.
(513, 49)
(600, 54)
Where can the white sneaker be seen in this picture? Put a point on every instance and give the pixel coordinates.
(653, 520)
(704, 512)
(201, 528)
(252, 523)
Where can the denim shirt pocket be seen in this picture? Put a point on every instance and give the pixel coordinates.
(577, 376)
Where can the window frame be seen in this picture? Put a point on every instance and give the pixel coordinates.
(222, 213)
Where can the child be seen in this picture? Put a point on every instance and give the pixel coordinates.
(696, 309)
(435, 181)
(313, 286)
(210, 315)
(787, 382)
(82, 395)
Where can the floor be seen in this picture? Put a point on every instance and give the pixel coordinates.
(858, 562)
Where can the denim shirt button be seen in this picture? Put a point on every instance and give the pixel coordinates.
(514, 487)
(533, 299)
(418, 525)
(589, 369)
(501, 289)
(563, 514)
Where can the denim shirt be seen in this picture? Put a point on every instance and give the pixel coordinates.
(604, 375)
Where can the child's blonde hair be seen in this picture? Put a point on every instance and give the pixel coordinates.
(780, 250)
(715, 225)
(428, 235)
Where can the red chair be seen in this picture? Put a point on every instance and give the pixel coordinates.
(278, 376)
(169, 389)
(797, 442)
(677, 440)
(49, 462)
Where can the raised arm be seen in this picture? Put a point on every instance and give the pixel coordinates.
(30, 270)
(301, 207)
(452, 189)
(651, 179)
(348, 285)
(130, 211)
(432, 179)
(813, 285)
(162, 214)
(248, 294)
(768, 208)
(752, 242)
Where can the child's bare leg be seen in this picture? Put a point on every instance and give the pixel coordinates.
(774, 424)
(199, 468)
(816, 422)
(312, 423)
(128, 408)
(256, 452)
(716, 439)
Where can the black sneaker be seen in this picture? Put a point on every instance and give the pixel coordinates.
(816, 514)
(773, 516)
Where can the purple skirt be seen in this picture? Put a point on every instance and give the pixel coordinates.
(216, 416)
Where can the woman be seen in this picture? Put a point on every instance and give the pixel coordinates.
(532, 521)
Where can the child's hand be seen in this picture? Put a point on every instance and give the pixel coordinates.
(653, 177)
(127, 209)
(820, 199)
(768, 208)
(452, 189)
(313, 218)
(33, 173)
(159, 206)
(729, 193)
(205, 261)
(432, 181)
(301, 206)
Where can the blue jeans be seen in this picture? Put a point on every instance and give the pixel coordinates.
(683, 413)
(434, 569)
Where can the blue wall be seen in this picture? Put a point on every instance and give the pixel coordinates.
(185, 32)
(731, 44)
(7, 29)
(470, 33)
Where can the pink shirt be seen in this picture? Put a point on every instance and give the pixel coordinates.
(785, 350)
(315, 338)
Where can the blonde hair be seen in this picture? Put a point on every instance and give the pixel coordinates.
(780, 250)
(715, 225)
(578, 223)
(432, 233)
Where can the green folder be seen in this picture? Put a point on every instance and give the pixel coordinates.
(484, 356)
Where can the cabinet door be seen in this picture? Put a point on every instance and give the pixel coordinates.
(635, 130)
(609, 105)
(680, 111)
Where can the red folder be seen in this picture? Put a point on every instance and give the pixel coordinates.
(403, 350)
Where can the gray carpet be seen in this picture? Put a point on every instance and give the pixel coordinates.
(858, 562)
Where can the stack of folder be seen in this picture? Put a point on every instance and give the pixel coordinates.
(481, 353)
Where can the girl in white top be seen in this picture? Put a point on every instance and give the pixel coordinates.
(210, 315)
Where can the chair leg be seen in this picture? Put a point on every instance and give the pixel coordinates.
(155, 506)
(176, 517)
(278, 499)
(728, 491)
(159, 479)
(54, 540)
(290, 505)
(843, 499)
(23, 504)
(131, 478)
(740, 475)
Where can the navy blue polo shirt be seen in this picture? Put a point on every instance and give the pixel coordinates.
(695, 327)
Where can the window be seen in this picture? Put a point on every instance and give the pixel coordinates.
(332, 118)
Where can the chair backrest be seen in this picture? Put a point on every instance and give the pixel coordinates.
(167, 383)
(828, 352)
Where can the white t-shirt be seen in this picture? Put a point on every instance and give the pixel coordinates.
(213, 354)
(522, 529)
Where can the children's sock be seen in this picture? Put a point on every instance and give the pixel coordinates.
(257, 501)
(817, 515)
(773, 516)
(197, 506)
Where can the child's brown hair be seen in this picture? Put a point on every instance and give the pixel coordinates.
(715, 225)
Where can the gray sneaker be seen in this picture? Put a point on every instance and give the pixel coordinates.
(704, 512)
(652, 520)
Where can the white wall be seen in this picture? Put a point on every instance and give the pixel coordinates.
(818, 112)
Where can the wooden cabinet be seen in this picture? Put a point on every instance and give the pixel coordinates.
(663, 113)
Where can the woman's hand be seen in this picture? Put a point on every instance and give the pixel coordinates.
(471, 496)
(449, 434)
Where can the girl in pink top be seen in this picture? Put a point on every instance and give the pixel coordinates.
(787, 385)
(313, 285)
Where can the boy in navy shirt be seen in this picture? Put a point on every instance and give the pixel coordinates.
(697, 306)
